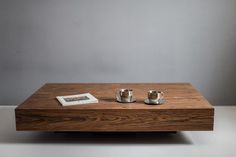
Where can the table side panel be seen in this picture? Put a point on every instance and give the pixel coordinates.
(134, 120)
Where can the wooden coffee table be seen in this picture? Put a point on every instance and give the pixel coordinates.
(185, 109)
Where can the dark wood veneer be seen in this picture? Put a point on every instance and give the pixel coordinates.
(184, 109)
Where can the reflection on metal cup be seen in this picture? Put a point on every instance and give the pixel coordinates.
(155, 95)
(125, 95)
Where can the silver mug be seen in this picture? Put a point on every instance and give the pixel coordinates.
(125, 95)
(155, 95)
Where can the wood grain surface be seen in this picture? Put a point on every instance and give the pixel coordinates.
(184, 109)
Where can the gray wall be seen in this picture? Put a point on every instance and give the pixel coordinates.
(118, 41)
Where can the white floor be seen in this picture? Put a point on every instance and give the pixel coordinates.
(219, 143)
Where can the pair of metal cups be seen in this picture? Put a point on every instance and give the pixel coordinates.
(127, 96)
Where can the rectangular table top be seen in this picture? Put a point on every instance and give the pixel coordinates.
(177, 96)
